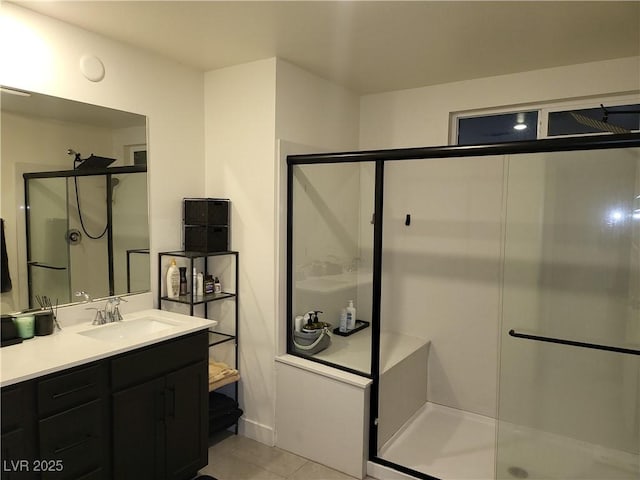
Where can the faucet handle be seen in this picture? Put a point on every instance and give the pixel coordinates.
(99, 319)
(82, 293)
(113, 312)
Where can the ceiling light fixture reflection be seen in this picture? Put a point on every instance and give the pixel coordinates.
(615, 217)
(520, 125)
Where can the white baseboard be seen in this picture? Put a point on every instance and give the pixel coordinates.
(256, 431)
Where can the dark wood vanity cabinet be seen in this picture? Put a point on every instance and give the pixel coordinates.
(139, 415)
(19, 431)
(160, 409)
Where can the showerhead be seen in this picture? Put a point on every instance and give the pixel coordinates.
(94, 162)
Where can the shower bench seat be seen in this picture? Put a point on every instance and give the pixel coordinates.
(339, 401)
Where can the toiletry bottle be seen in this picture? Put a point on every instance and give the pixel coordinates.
(343, 321)
(183, 280)
(200, 284)
(351, 316)
(217, 287)
(194, 282)
(173, 280)
(208, 284)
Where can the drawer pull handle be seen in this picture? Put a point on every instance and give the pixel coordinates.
(74, 390)
(89, 474)
(73, 445)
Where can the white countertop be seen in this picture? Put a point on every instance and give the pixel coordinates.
(68, 347)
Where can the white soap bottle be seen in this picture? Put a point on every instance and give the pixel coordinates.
(351, 316)
(173, 280)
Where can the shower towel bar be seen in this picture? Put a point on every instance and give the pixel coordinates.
(44, 265)
(595, 346)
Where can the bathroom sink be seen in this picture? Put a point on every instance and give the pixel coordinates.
(128, 329)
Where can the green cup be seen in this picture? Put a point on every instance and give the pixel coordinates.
(25, 324)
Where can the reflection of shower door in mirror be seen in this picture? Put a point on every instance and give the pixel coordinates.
(82, 228)
(571, 272)
(47, 249)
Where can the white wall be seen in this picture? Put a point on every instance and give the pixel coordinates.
(460, 317)
(247, 109)
(240, 153)
(170, 95)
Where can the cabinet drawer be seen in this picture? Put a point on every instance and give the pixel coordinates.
(70, 389)
(157, 360)
(76, 440)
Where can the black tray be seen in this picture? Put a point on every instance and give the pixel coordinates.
(360, 325)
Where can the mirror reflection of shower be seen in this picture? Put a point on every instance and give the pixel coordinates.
(91, 162)
(78, 238)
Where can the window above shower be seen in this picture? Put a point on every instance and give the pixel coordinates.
(534, 122)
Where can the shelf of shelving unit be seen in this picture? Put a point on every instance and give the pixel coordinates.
(216, 338)
(190, 299)
(199, 299)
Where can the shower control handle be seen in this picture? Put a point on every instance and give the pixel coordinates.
(73, 236)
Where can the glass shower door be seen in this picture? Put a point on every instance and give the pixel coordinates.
(47, 248)
(569, 407)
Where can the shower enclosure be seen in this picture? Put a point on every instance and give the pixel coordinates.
(86, 230)
(501, 285)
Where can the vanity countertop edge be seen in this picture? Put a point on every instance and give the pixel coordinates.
(68, 348)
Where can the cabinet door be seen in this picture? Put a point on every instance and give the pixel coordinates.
(138, 431)
(19, 432)
(15, 463)
(186, 421)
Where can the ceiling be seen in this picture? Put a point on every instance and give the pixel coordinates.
(368, 46)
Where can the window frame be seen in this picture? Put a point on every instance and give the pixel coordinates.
(544, 109)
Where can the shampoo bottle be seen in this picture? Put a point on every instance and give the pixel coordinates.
(351, 316)
(194, 281)
(173, 280)
(183, 280)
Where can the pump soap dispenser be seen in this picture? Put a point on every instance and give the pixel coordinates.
(173, 280)
(351, 316)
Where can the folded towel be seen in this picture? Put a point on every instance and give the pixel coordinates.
(221, 374)
(225, 381)
(5, 279)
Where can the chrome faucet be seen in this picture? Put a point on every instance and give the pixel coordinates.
(109, 313)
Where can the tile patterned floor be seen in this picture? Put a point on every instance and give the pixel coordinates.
(234, 457)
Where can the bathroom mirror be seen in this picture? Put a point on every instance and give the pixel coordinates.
(71, 225)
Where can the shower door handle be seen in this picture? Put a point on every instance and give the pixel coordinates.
(574, 343)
